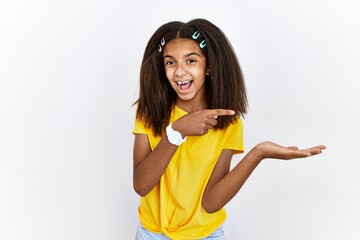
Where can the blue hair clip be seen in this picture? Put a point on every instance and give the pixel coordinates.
(196, 35)
(202, 44)
(162, 43)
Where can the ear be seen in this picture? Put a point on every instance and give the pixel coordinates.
(207, 72)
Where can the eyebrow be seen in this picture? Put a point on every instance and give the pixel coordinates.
(186, 55)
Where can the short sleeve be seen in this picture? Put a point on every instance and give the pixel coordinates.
(139, 128)
(235, 137)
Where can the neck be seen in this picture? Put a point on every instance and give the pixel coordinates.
(190, 106)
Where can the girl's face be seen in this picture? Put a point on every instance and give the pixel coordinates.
(185, 67)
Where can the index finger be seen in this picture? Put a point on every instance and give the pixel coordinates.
(221, 112)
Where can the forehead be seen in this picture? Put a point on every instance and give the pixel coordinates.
(182, 46)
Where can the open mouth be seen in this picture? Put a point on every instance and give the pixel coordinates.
(184, 85)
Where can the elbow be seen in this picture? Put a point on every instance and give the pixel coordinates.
(140, 189)
(140, 192)
(210, 207)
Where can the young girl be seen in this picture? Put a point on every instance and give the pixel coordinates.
(187, 129)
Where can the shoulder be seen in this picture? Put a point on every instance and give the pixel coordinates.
(237, 124)
(139, 127)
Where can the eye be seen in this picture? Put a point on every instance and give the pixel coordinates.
(169, 62)
(192, 61)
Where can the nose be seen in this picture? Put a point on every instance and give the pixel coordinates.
(180, 71)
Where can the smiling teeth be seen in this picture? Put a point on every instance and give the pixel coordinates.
(183, 83)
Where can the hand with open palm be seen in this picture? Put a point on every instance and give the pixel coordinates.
(272, 150)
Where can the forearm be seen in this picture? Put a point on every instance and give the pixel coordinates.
(149, 171)
(224, 190)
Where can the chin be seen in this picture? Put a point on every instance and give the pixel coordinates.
(186, 98)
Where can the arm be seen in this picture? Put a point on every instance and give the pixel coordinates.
(223, 185)
(150, 165)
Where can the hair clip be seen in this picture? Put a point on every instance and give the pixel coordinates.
(162, 43)
(202, 44)
(196, 35)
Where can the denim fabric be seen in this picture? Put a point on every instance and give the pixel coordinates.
(143, 234)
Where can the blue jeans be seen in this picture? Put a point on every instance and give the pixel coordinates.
(143, 234)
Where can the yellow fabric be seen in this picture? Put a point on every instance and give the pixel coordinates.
(174, 207)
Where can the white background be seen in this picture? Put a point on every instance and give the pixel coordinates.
(69, 75)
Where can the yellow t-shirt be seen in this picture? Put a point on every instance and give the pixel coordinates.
(173, 207)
